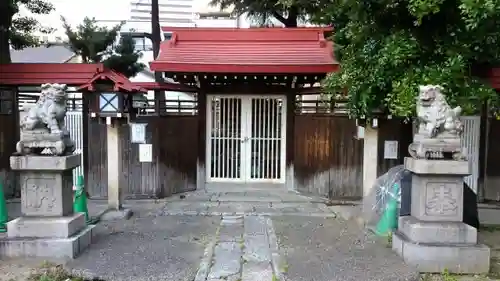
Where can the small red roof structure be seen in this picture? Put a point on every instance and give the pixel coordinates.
(120, 82)
(31, 74)
(252, 50)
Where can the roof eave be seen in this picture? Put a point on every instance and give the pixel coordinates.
(249, 69)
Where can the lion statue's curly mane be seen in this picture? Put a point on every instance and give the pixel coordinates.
(434, 115)
(49, 111)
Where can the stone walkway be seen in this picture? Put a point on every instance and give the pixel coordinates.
(244, 248)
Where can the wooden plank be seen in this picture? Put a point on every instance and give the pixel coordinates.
(9, 132)
(173, 170)
(328, 160)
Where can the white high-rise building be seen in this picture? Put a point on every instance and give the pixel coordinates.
(173, 13)
(178, 13)
(182, 13)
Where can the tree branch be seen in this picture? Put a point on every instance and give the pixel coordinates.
(279, 17)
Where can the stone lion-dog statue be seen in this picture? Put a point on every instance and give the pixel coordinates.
(43, 126)
(434, 115)
(439, 126)
(49, 111)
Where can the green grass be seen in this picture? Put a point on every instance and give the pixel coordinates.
(53, 272)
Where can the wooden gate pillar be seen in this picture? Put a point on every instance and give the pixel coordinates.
(9, 135)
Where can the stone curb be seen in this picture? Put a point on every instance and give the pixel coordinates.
(275, 254)
(206, 261)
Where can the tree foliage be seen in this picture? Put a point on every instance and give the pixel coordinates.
(124, 58)
(96, 44)
(288, 12)
(19, 31)
(387, 48)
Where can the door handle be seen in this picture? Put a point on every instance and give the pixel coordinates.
(245, 139)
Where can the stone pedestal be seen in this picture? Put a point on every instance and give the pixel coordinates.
(434, 238)
(48, 227)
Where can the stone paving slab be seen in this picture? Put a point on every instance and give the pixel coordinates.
(209, 208)
(246, 256)
(325, 249)
(257, 271)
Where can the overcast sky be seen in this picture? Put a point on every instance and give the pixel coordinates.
(75, 10)
(103, 10)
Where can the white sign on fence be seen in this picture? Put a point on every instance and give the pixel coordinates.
(138, 132)
(145, 152)
(391, 149)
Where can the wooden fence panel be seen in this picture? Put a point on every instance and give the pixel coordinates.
(393, 130)
(96, 172)
(9, 135)
(173, 170)
(492, 169)
(328, 159)
(8, 139)
(177, 153)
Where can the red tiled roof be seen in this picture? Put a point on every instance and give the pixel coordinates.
(76, 74)
(252, 50)
(71, 74)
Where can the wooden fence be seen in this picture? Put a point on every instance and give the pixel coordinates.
(328, 158)
(173, 170)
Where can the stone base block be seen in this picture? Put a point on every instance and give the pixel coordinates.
(437, 232)
(436, 257)
(64, 248)
(45, 163)
(121, 214)
(46, 227)
(437, 197)
(437, 167)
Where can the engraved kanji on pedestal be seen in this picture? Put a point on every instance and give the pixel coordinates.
(37, 198)
(441, 199)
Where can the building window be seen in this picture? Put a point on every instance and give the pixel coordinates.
(143, 44)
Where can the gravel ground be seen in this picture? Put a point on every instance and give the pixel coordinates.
(161, 248)
(326, 249)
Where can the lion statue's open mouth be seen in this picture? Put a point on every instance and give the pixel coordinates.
(428, 95)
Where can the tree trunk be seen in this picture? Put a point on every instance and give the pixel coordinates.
(155, 27)
(6, 14)
(291, 22)
(4, 46)
(292, 19)
(156, 38)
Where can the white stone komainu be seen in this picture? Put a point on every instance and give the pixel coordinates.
(434, 238)
(43, 127)
(48, 226)
(439, 126)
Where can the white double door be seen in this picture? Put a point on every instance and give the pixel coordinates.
(246, 138)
